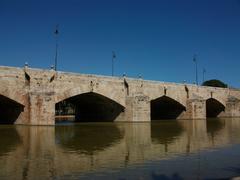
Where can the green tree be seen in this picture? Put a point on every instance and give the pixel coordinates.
(215, 83)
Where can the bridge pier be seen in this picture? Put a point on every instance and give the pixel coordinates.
(137, 108)
(39, 109)
(232, 108)
(196, 109)
(24, 116)
(42, 109)
(39, 102)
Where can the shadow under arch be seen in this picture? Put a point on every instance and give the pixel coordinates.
(165, 132)
(92, 107)
(87, 138)
(9, 110)
(214, 107)
(9, 140)
(166, 108)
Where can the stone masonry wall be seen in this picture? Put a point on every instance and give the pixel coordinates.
(39, 90)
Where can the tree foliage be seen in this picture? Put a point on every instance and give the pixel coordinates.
(215, 83)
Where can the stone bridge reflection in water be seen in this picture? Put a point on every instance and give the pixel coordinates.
(73, 150)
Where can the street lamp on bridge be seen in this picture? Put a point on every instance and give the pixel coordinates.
(204, 72)
(113, 57)
(56, 50)
(196, 67)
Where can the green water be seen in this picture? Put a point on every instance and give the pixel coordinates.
(200, 149)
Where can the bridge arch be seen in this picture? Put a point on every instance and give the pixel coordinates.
(176, 94)
(17, 96)
(10, 110)
(166, 107)
(108, 92)
(214, 107)
(91, 106)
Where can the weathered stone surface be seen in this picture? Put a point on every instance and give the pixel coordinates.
(39, 90)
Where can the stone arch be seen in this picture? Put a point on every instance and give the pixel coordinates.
(182, 99)
(166, 107)
(108, 92)
(214, 107)
(16, 96)
(220, 98)
(89, 106)
(10, 110)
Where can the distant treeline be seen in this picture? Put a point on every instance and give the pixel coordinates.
(214, 83)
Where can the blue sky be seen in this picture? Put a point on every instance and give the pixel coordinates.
(154, 38)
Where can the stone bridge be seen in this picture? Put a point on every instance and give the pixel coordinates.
(30, 96)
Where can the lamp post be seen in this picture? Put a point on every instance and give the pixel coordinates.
(113, 57)
(196, 68)
(204, 71)
(56, 50)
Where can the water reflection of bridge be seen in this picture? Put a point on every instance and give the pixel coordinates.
(55, 151)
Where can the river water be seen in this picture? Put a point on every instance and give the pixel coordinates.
(188, 149)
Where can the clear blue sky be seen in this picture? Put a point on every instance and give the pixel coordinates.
(155, 38)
